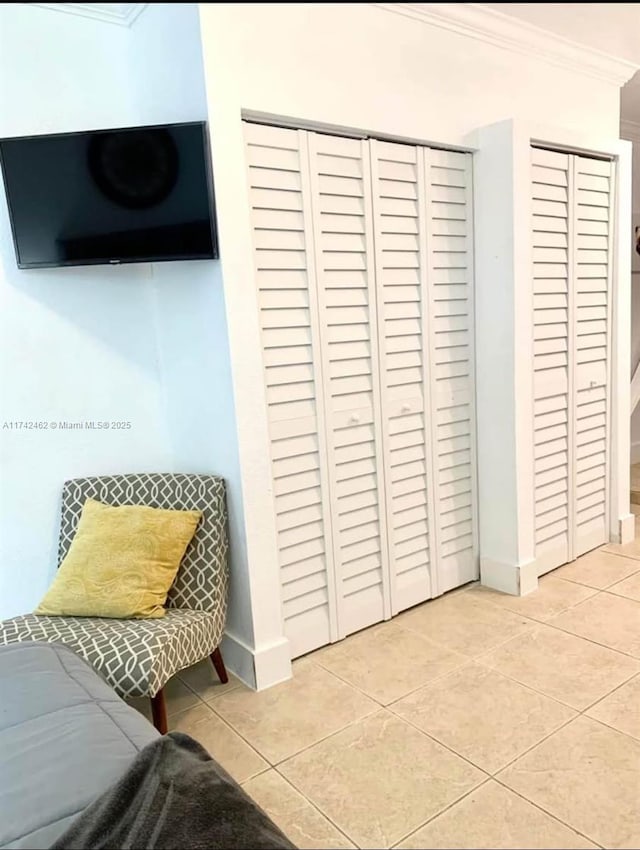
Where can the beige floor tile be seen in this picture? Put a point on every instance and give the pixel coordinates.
(464, 623)
(301, 822)
(599, 569)
(629, 550)
(141, 704)
(562, 666)
(552, 596)
(388, 662)
(630, 587)
(284, 719)
(606, 619)
(621, 709)
(483, 716)
(178, 696)
(588, 776)
(228, 748)
(203, 680)
(494, 817)
(380, 778)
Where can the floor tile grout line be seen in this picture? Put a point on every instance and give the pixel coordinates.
(234, 687)
(435, 740)
(555, 698)
(504, 607)
(608, 694)
(275, 764)
(537, 744)
(611, 591)
(617, 688)
(619, 554)
(485, 666)
(464, 663)
(546, 812)
(595, 642)
(255, 776)
(488, 776)
(251, 746)
(632, 738)
(381, 706)
(317, 808)
(529, 628)
(442, 811)
(576, 714)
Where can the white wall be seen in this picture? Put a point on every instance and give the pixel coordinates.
(630, 129)
(359, 66)
(141, 343)
(198, 408)
(75, 343)
(609, 27)
(635, 295)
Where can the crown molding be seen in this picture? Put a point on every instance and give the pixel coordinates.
(630, 130)
(121, 14)
(477, 21)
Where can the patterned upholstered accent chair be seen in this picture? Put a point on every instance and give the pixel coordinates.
(138, 657)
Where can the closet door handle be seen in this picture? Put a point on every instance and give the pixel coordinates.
(406, 408)
(354, 419)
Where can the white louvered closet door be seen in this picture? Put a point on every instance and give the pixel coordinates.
(398, 188)
(592, 204)
(448, 222)
(422, 236)
(281, 221)
(551, 194)
(344, 266)
(571, 198)
(363, 265)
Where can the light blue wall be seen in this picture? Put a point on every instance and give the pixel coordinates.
(145, 344)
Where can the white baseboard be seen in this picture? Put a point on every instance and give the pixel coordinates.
(635, 452)
(626, 529)
(257, 668)
(517, 580)
(238, 659)
(272, 664)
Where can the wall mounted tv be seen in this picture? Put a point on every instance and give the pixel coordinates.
(133, 195)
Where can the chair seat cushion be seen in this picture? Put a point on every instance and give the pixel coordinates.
(136, 657)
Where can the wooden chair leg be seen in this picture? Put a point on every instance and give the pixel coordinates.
(218, 663)
(159, 712)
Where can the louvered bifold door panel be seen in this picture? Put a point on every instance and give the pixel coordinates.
(449, 243)
(283, 251)
(398, 189)
(551, 193)
(591, 284)
(341, 197)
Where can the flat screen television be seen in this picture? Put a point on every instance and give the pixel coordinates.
(133, 195)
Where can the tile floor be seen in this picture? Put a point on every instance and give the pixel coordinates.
(475, 720)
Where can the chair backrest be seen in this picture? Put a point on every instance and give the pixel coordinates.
(203, 578)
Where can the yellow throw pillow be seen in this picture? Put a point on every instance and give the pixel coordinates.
(121, 562)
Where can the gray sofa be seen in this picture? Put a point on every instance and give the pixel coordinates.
(65, 737)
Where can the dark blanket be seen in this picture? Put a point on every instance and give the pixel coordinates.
(173, 796)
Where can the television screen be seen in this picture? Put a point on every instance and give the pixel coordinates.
(141, 194)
